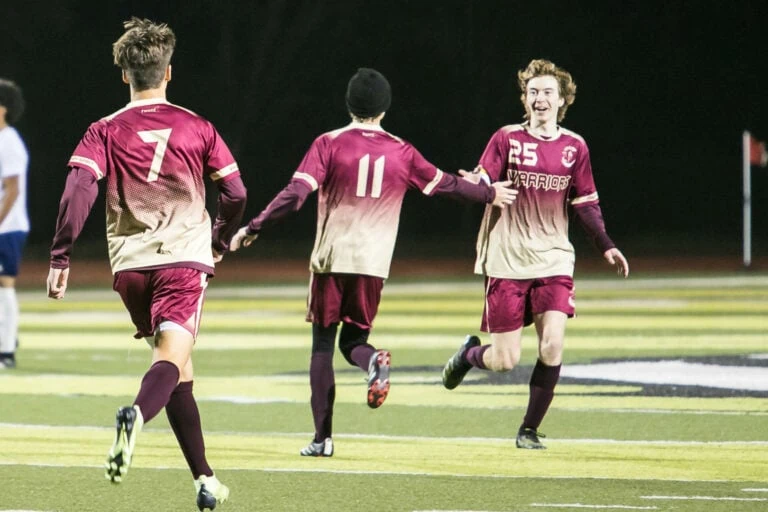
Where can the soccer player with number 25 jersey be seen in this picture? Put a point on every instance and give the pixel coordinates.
(153, 156)
(361, 173)
(523, 249)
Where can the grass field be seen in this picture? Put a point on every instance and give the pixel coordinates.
(632, 444)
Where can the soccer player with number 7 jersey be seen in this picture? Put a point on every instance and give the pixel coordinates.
(361, 173)
(523, 250)
(154, 157)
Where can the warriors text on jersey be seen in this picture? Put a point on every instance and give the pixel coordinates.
(529, 238)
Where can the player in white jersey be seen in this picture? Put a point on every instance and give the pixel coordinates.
(361, 173)
(154, 156)
(523, 250)
(14, 220)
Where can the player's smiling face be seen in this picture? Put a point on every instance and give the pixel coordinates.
(543, 99)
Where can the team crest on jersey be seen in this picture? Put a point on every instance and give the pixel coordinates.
(569, 156)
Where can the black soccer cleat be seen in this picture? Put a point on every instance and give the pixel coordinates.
(210, 492)
(528, 439)
(128, 423)
(457, 366)
(7, 361)
(378, 378)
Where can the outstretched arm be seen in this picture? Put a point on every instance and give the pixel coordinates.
(231, 205)
(466, 188)
(76, 202)
(591, 218)
(287, 201)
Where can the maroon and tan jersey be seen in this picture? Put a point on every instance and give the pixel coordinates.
(361, 173)
(529, 238)
(154, 156)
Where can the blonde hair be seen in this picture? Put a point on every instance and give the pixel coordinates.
(144, 52)
(543, 67)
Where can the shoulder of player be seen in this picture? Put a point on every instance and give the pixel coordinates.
(569, 133)
(353, 129)
(152, 105)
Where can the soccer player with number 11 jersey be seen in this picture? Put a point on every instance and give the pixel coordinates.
(361, 173)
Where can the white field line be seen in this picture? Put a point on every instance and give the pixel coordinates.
(582, 505)
(702, 498)
(379, 437)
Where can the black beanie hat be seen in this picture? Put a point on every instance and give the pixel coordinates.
(368, 93)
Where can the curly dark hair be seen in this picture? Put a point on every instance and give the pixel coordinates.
(144, 52)
(12, 99)
(542, 67)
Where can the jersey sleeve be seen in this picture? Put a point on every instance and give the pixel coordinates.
(219, 162)
(13, 160)
(424, 176)
(314, 166)
(583, 191)
(91, 151)
(494, 159)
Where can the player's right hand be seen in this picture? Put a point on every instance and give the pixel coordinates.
(57, 282)
(241, 239)
(505, 194)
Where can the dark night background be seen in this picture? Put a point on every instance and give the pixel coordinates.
(665, 91)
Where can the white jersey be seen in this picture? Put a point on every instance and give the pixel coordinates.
(14, 161)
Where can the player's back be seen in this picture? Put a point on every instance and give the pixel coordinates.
(155, 155)
(368, 172)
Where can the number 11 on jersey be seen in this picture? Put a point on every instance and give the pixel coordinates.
(362, 176)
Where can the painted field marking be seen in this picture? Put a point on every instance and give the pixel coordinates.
(702, 498)
(755, 490)
(582, 505)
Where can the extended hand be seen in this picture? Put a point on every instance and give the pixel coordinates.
(57, 282)
(504, 193)
(217, 256)
(241, 239)
(472, 177)
(614, 257)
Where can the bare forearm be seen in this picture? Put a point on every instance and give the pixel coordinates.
(7, 202)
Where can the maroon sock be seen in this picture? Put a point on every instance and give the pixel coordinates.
(323, 385)
(184, 417)
(361, 355)
(542, 386)
(475, 356)
(156, 388)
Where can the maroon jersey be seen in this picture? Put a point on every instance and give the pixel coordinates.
(154, 155)
(361, 173)
(529, 238)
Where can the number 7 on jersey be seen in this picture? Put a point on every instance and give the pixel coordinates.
(159, 137)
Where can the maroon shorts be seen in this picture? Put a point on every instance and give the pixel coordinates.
(162, 295)
(511, 303)
(350, 298)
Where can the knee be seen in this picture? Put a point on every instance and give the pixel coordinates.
(551, 351)
(351, 336)
(504, 360)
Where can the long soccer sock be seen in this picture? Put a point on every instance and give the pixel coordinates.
(184, 417)
(323, 385)
(156, 388)
(475, 356)
(361, 355)
(9, 320)
(542, 389)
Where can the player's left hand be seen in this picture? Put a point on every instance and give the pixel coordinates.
(57, 282)
(217, 256)
(241, 239)
(614, 257)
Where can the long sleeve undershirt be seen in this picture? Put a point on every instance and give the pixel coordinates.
(591, 219)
